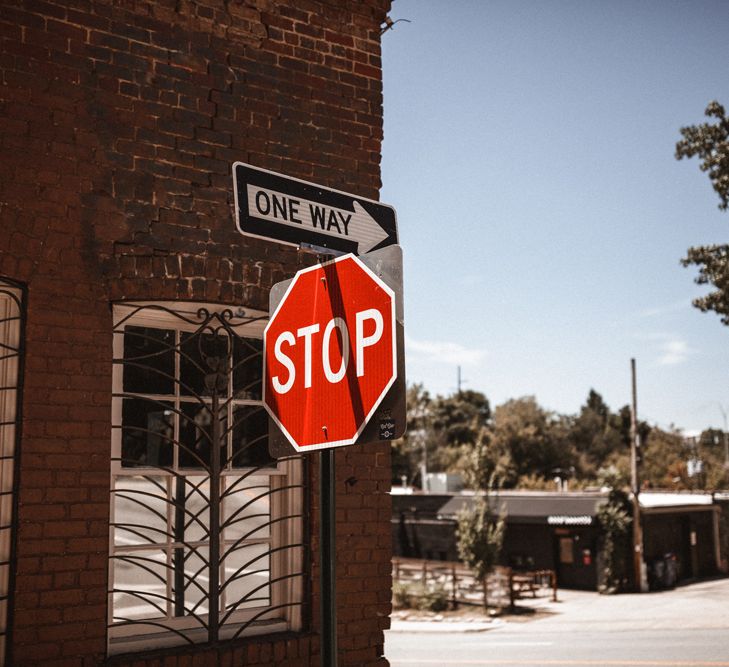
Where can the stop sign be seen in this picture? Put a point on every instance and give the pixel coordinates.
(329, 354)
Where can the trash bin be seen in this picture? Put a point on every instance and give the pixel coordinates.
(656, 574)
(663, 572)
(671, 570)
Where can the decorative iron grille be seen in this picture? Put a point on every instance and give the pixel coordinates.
(12, 319)
(207, 531)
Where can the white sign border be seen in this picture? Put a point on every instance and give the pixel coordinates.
(393, 376)
(295, 244)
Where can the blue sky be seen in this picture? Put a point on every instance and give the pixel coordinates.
(529, 154)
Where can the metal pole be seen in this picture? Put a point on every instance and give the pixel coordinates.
(726, 437)
(214, 555)
(328, 557)
(635, 485)
(179, 552)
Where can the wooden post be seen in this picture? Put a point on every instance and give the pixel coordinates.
(455, 586)
(635, 484)
(512, 596)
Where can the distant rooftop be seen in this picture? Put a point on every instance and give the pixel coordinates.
(551, 507)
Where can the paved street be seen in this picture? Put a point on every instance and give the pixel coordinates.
(686, 627)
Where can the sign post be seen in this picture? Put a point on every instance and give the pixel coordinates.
(333, 349)
(328, 560)
(331, 361)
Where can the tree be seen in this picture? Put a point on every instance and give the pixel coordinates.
(462, 416)
(711, 450)
(664, 460)
(486, 466)
(457, 421)
(614, 518)
(409, 452)
(601, 437)
(479, 531)
(710, 142)
(593, 435)
(534, 438)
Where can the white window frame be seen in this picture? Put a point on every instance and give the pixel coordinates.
(286, 589)
(11, 331)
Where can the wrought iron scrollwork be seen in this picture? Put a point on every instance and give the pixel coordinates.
(207, 533)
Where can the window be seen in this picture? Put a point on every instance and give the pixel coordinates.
(206, 528)
(566, 551)
(11, 336)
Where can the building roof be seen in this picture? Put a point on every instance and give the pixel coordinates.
(656, 499)
(535, 507)
(568, 509)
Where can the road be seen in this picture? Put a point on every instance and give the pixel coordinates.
(686, 627)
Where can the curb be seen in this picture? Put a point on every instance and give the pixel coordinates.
(431, 627)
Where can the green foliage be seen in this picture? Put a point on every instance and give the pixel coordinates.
(479, 531)
(440, 432)
(480, 536)
(417, 596)
(485, 466)
(710, 142)
(523, 445)
(461, 416)
(402, 595)
(434, 599)
(664, 460)
(710, 449)
(534, 438)
(408, 451)
(713, 263)
(614, 516)
(601, 437)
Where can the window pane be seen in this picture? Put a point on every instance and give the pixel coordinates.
(246, 508)
(204, 359)
(140, 585)
(247, 368)
(140, 510)
(247, 574)
(192, 578)
(192, 509)
(148, 429)
(196, 435)
(566, 551)
(149, 360)
(250, 437)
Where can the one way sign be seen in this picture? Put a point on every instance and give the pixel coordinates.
(286, 209)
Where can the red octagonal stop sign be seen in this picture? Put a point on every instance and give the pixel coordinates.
(329, 354)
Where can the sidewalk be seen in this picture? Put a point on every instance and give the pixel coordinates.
(444, 625)
(698, 605)
(470, 619)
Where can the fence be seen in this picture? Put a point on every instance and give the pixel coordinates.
(504, 585)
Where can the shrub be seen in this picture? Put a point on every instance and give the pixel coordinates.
(433, 599)
(402, 595)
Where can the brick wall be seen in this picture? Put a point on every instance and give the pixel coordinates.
(119, 123)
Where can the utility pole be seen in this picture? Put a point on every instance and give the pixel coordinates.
(635, 485)
(459, 381)
(424, 486)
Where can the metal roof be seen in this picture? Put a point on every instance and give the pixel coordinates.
(534, 507)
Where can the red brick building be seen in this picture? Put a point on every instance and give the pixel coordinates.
(131, 313)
